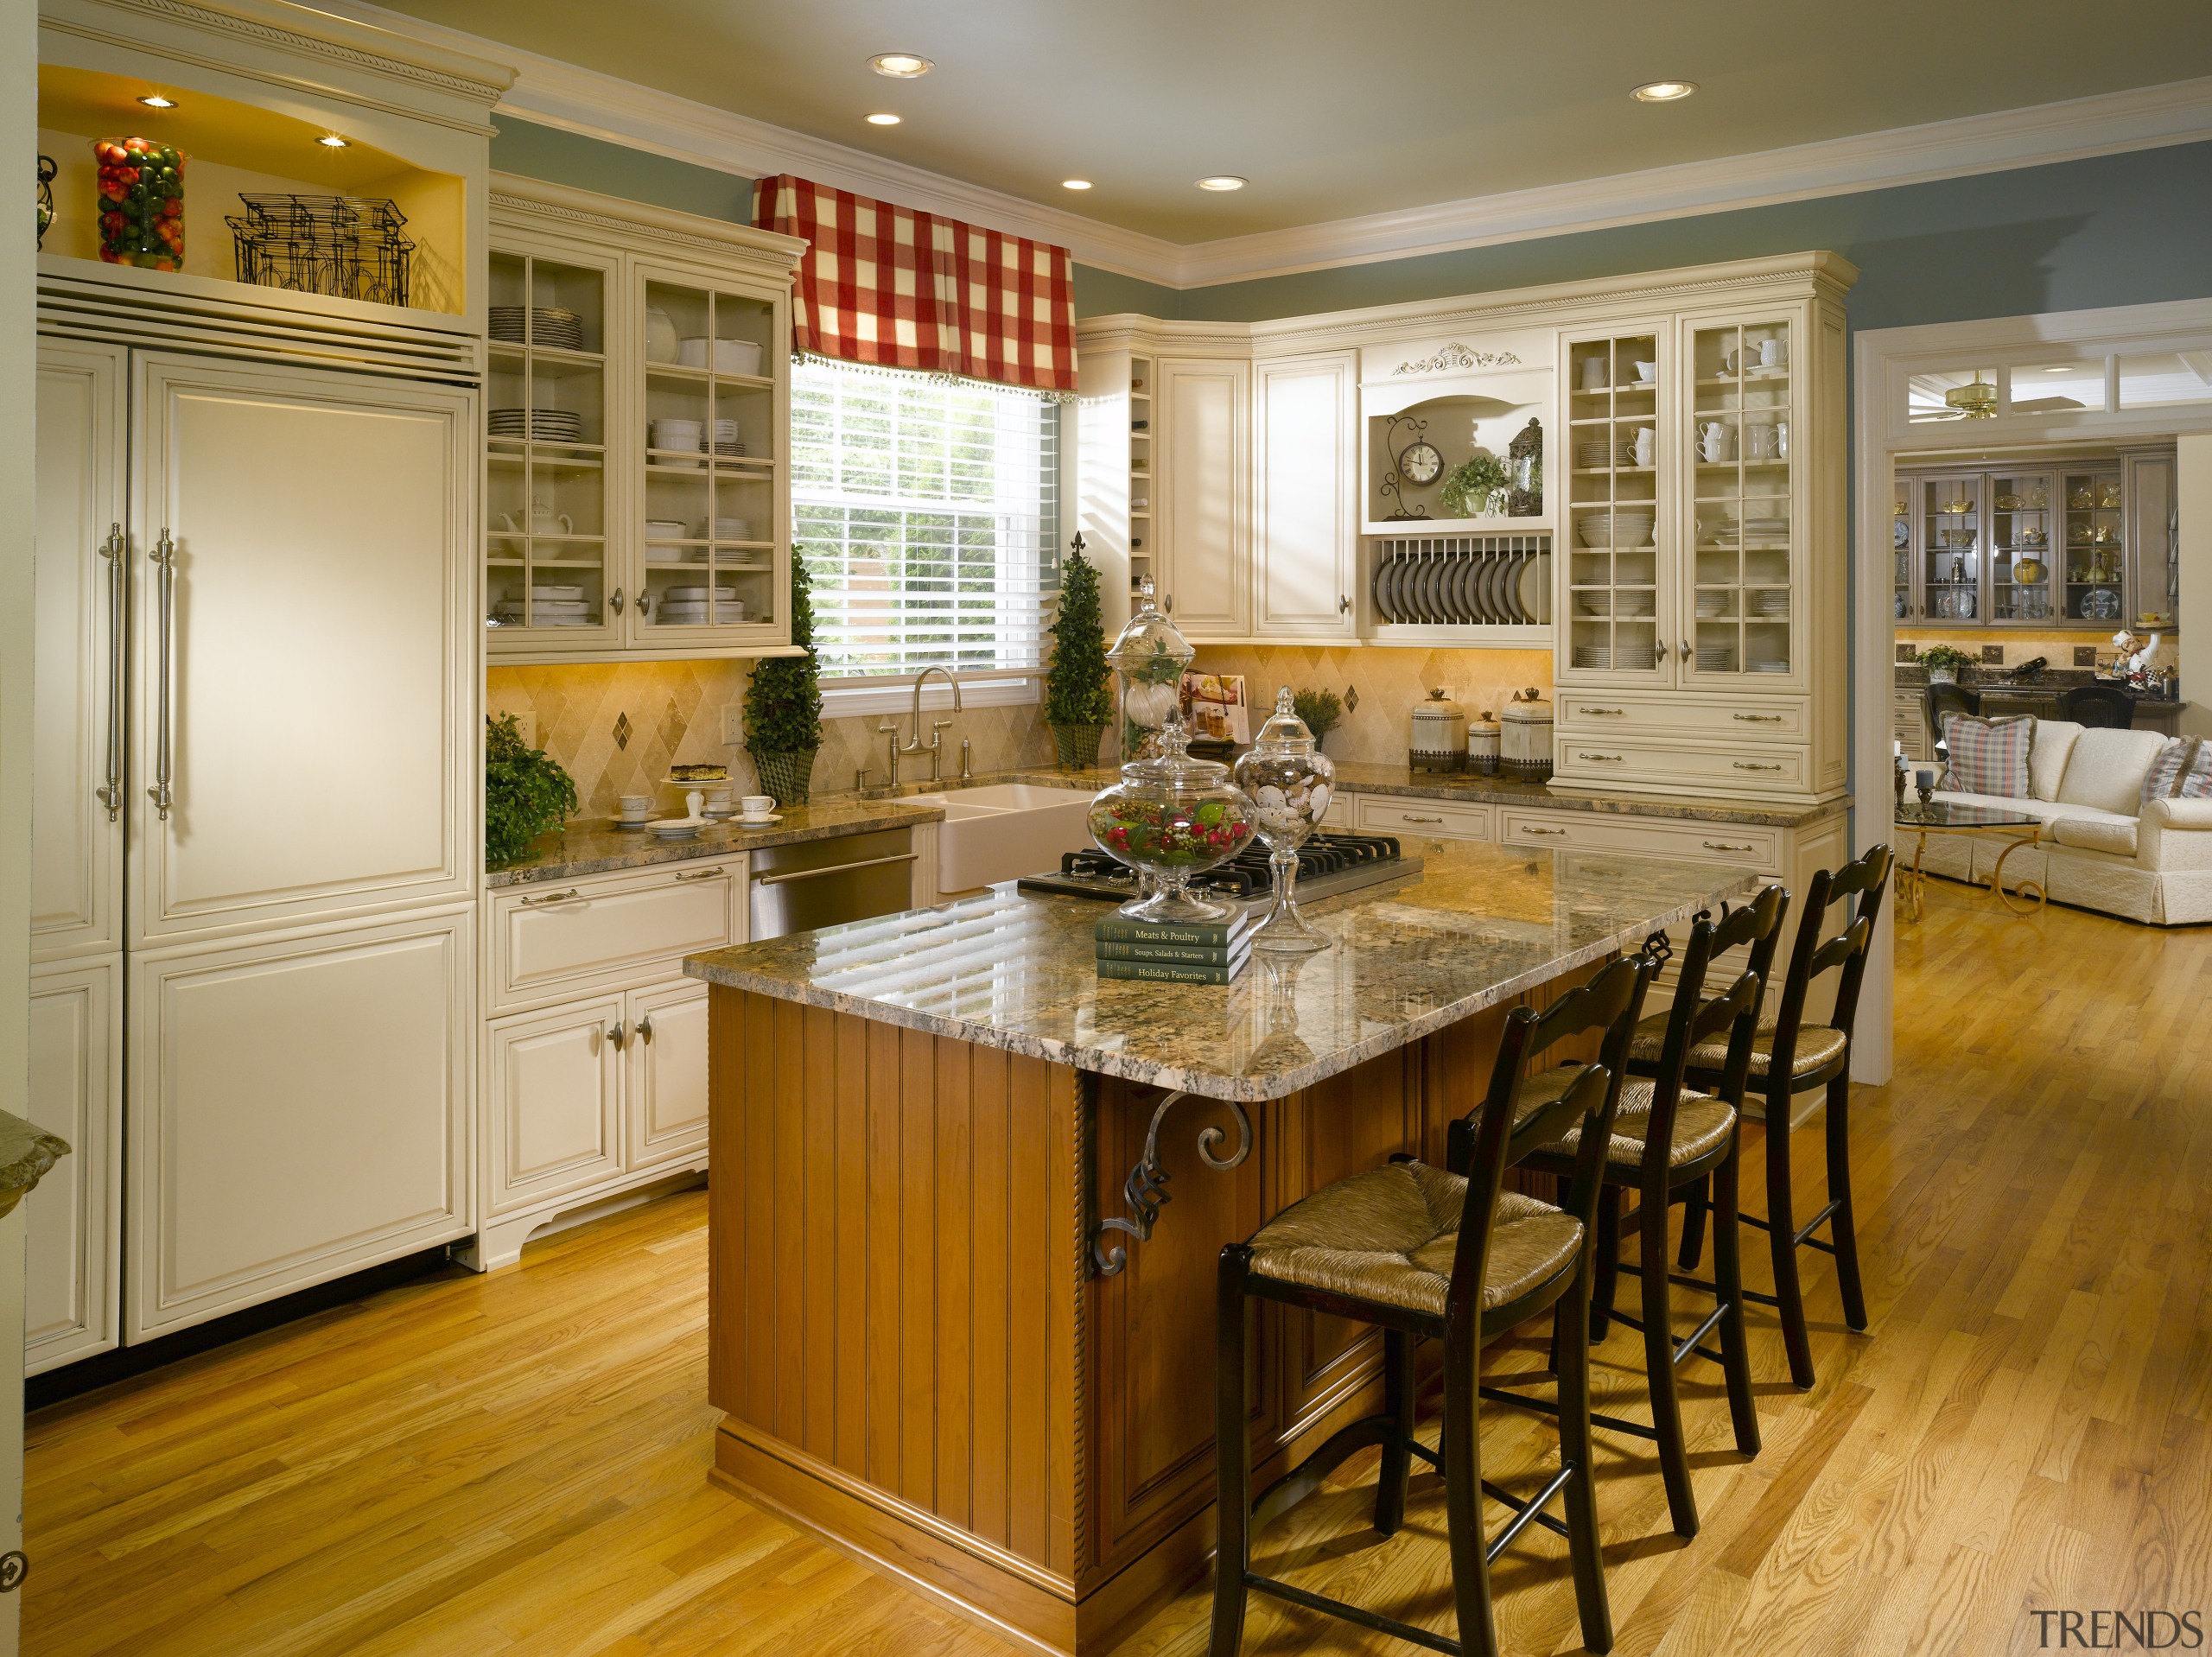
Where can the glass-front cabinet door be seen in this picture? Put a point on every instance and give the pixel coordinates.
(1740, 603)
(714, 500)
(1903, 582)
(2096, 546)
(550, 584)
(1950, 535)
(1617, 590)
(2023, 575)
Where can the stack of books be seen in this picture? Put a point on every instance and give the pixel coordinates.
(1202, 952)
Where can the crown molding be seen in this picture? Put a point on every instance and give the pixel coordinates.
(560, 205)
(596, 106)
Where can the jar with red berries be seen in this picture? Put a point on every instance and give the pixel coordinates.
(1173, 817)
(142, 203)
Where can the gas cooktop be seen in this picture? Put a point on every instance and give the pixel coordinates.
(1328, 865)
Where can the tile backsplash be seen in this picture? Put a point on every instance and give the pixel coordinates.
(1390, 682)
(674, 711)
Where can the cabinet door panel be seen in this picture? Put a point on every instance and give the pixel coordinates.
(73, 1249)
(297, 1110)
(665, 1104)
(1199, 503)
(555, 1107)
(1305, 533)
(322, 692)
(76, 850)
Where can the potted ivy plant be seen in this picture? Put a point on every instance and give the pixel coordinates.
(526, 792)
(1078, 699)
(1944, 663)
(783, 705)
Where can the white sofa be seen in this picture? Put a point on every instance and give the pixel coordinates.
(2101, 847)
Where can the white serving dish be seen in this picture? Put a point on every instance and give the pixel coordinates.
(725, 357)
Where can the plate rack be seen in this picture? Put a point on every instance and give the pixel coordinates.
(1461, 591)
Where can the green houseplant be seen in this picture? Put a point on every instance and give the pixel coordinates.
(1078, 699)
(1469, 492)
(783, 705)
(1944, 663)
(525, 792)
(1320, 710)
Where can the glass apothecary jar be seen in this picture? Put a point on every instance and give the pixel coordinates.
(1148, 658)
(1172, 817)
(1289, 780)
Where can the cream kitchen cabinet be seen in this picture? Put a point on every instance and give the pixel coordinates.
(1306, 508)
(594, 1052)
(73, 1278)
(1201, 519)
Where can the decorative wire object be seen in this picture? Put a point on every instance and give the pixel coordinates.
(47, 170)
(343, 247)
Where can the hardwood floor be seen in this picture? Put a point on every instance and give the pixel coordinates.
(517, 1464)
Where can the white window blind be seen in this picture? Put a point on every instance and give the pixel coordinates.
(928, 516)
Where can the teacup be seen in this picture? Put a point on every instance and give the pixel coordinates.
(1647, 372)
(718, 802)
(634, 808)
(1646, 445)
(757, 805)
(1715, 440)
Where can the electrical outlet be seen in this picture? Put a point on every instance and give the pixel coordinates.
(1994, 654)
(732, 724)
(2085, 655)
(526, 723)
(1907, 653)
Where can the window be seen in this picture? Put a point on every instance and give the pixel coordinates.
(928, 514)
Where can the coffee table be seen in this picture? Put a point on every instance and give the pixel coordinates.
(1946, 817)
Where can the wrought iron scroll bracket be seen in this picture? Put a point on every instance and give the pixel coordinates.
(1145, 1189)
(1659, 946)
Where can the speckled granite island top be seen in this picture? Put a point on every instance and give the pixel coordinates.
(1356, 776)
(599, 848)
(1478, 925)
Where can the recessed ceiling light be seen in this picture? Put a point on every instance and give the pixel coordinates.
(1664, 92)
(1223, 182)
(331, 141)
(883, 120)
(1074, 184)
(901, 65)
(156, 101)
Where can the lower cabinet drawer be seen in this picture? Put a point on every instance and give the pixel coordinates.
(1755, 848)
(610, 931)
(1733, 720)
(1390, 814)
(1591, 760)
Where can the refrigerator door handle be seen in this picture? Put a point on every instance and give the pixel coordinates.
(164, 557)
(114, 550)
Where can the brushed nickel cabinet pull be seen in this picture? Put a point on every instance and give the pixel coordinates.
(1531, 829)
(1610, 712)
(551, 898)
(1608, 759)
(1408, 816)
(119, 595)
(164, 558)
(1722, 846)
(700, 874)
(1753, 765)
(1758, 719)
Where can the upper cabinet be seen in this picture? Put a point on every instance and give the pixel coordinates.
(1200, 442)
(1305, 532)
(638, 492)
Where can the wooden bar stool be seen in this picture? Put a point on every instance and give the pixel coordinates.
(1447, 1253)
(1668, 1140)
(1790, 1056)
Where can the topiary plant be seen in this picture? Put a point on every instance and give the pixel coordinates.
(525, 792)
(1078, 701)
(1319, 710)
(783, 704)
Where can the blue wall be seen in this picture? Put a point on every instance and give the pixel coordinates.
(2116, 229)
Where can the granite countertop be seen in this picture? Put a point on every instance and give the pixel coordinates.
(2050, 682)
(1355, 777)
(1478, 925)
(27, 1151)
(598, 847)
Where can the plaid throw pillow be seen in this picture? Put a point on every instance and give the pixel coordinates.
(1988, 756)
(2183, 771)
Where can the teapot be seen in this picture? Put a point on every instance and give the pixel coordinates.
(542, 519)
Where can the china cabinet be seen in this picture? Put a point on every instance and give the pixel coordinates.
(1612, 598)
(2086, 544)
(638, 499)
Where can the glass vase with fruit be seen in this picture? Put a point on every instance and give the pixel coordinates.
(141, 203)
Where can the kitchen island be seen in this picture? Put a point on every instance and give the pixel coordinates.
(953, 1328)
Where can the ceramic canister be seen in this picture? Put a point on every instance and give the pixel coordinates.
(1438, 737)
(1482, 745)
(1525, 741)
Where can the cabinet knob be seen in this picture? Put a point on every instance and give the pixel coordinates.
(1343, 604)
(646, 1023)
(614, 1035)
(615, 601)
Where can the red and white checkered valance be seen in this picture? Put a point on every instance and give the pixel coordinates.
(899, 288)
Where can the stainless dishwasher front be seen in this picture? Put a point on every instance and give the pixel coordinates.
(814, 883)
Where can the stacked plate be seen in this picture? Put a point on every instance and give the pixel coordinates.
(1633, 602)
(688, 607)
(726, 441)
(549, 325)
(1766, 529)
(548, 612)
(730, 529)
(1621, 527)
(675, 436)
(1772, 600)
(1713, 601)
(540, 425)
(1595, 457)
(1716, 658)
(1768, 667)
(1593, 655)
(1462, 588)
